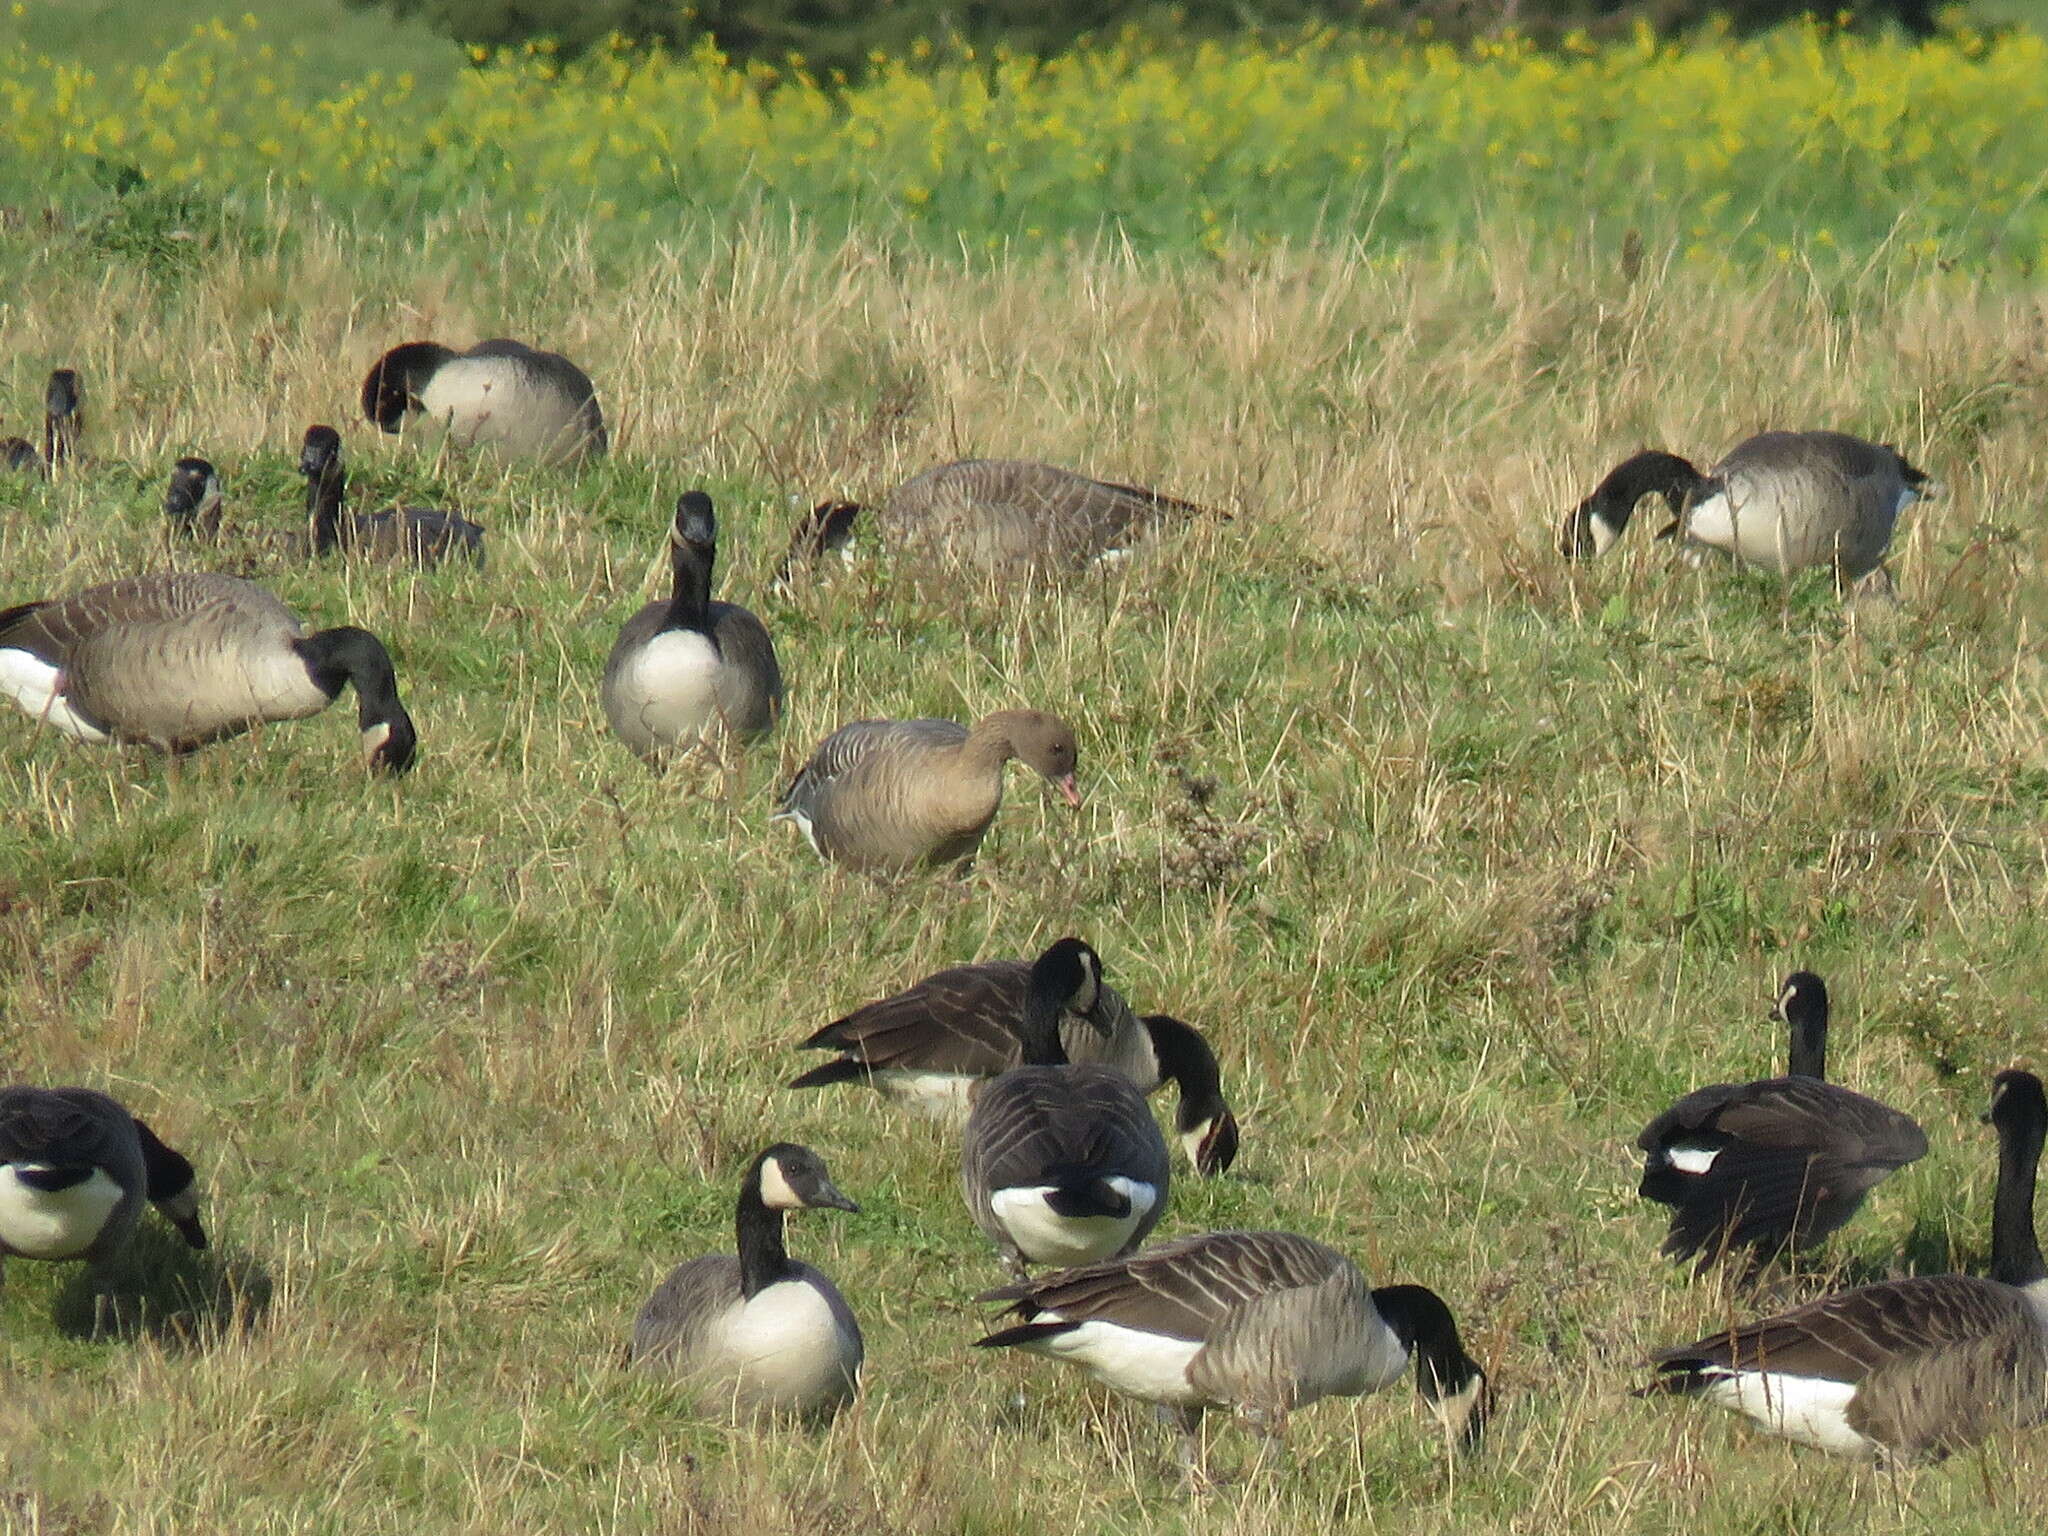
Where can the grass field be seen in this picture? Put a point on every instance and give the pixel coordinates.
(1498, 859)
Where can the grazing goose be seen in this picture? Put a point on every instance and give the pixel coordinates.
(895, 794)
(685, 670)
(192, 500)
(424, 537)
(930, 1045)
(1257, 1323)
(75, 1168)
(1780, 500)
(1926, 1365)
(180, 659)
(1773, 1165)
(760, 1332)
(499, 392)
(996, 515)
(1061, 1163)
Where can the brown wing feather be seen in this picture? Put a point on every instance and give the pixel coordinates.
(957, 1020)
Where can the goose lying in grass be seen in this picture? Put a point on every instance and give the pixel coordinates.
(421, 536)
(500, 393)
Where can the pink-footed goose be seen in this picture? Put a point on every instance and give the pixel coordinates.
(997, 515)
(895, 794)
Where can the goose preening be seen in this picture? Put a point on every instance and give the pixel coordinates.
(75, 1169)
(421, 535)
(998, 515)
(1906, 1367)
(895, 794)
(192, 500)
(504, 393)
(688, 669)
(1255, 1323)
(180, 659)
(1061, 1163)
(1777, 1164)
(1780, 500)
(930, 1045)
(758, 1331)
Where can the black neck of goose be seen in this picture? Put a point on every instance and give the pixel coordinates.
(355, 656)
(763, 1258)
(2015, 1247)
(1445, 1375)
(1614, 500)
(689, 603)
(1807, 1055)
(1185, 1060)
(1039, 1032)
(325, 492)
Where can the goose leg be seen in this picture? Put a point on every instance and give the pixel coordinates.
(1187, 1423)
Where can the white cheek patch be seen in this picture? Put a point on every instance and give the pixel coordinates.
(183, 1206)
(374, 737)
(38, 689)
(1191, 1141)
(1604, 533)
(1454, 1409)
(776, 1192)
(1691, 1159)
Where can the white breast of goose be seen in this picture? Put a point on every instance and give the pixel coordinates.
(54, 1223)
(1044, 1236)
(498, 400)
(1150, 1366)
(35, 687)
(941, 1095)
(785, 1347)
(671, 685)
(1812, 1410)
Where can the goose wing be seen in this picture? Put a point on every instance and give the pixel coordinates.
(1037, 1121)
(744, 645)
(859, 742)
(67, 1127)
(1189, 1288)
(962, 1019)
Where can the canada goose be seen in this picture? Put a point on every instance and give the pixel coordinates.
(929, 1045)
(894, 794)
(1062, 1163)
(1780, 500)
(20, 456)
(998, 514)
(424, 537)
(179, 659)
(500, 392)
(75, 1167)
(760, 1332)
(192, 500)
(688, 668)
(1258, 1323)
(1776, 1164)
(1904, 1367)
(63, 417)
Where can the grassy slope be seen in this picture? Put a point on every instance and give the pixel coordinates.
(1501, 858)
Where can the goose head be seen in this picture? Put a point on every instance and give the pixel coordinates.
(1592, 527)
(696, 524)
(1046, 743)
(1204, 1122)
(1802, 1006)
(392, 386)
(192, 500)
(320, 453)
(826, 528)
(790, 1177)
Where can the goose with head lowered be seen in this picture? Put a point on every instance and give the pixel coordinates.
(892, 795)
(180, 659)
(1904, 1368)
(505, 394)
(1774, 1165)
(758, 1332)
(1779, 500)
(688, 670)
(1061, 1162)
(930, 1045)
(75, 1169)
(1253, 1323)
(423, 536)
(998, 516)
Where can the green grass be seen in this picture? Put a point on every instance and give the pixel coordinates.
(1502, 858)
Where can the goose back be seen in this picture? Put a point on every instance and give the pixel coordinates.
(999, 514)
(1787, 500)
